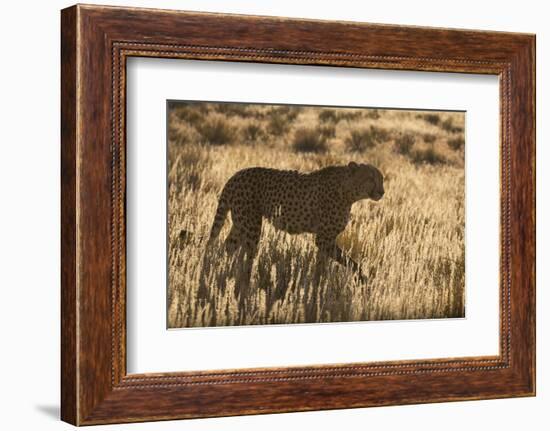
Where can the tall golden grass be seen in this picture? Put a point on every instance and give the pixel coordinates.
(410, 244)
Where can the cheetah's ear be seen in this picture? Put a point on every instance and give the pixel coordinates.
(353, 166)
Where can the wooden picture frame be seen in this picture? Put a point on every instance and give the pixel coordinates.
(95, 43)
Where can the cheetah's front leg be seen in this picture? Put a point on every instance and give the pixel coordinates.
(328, 246)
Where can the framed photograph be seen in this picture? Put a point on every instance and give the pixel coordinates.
(263, 214)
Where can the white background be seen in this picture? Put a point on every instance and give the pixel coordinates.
(151, 348)
(29, 215)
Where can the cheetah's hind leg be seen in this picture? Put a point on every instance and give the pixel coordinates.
(205, 292)
(243, 241)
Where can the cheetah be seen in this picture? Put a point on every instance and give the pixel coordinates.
(318, 203)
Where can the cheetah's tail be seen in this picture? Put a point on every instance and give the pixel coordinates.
(219, 218)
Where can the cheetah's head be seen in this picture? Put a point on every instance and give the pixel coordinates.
(367, 182)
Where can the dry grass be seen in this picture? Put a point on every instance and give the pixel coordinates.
(410, 244)
(310, 140)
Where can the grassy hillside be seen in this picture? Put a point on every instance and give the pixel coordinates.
(410, 244)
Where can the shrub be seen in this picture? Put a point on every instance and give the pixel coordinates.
(192, 114)
(278, 124)
(449, 126)
(282, 110)
(259, 114)
(292, 114)
(379, 134)
(216, 131)
(328, 115)
(253, 132)
(180, 133)
(233, 109)
(360, 140)
(363, 138)
(429, 138)
(404, 143)
(456, 143)
(289, 113)
(373, 114)
(427, 156)
(432, 119)
(328, 131)
(349, 115)
(307, 140)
